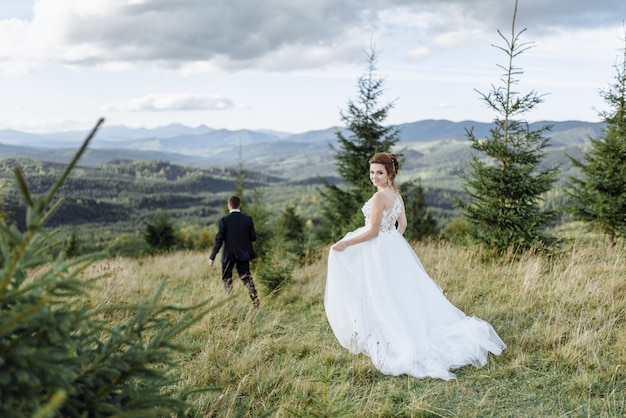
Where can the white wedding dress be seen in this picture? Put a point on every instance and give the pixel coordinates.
(380, 301)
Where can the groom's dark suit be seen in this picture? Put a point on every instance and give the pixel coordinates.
(236, 233)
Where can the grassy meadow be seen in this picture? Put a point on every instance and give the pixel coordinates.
(562, 318)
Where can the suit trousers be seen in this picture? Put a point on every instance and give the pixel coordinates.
(243, 269)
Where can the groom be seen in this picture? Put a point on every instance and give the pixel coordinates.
(236, 232)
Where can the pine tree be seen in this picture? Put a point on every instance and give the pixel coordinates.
(159, 233)
(364, 119)
(240, 182)
(420, 221)
(72, 247)
(253, 206)
(279, 250)
(599, 195)
(62, 357)
(504, 191)
(291, 226)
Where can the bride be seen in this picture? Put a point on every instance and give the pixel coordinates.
(380, 301)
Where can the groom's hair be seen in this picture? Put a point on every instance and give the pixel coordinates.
(234, 202)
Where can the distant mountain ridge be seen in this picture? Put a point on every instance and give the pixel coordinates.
(202, 146)
(425, 130)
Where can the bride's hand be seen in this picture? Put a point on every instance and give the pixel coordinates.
(339, 246)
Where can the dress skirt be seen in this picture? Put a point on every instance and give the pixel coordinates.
(380, 301)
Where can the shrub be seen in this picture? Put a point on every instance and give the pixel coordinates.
(160, 234)
(275, 268)
(456, 231)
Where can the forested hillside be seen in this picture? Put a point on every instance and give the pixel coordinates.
(124, 192)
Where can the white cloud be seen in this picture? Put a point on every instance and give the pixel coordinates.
(173, 33)
(171, 102)
(281, 34)
(419, 52)
(28, 124)
(291, 65)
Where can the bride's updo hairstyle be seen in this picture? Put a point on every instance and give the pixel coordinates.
(391, 163)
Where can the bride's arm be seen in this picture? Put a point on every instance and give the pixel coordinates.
(376, 216)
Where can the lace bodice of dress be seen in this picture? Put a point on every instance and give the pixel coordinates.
(390, 216)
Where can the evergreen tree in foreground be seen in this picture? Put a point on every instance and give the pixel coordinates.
(60, 356)
(364, 119)
(599, 195)
(505, 189)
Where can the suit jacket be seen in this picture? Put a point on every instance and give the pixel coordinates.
(236, 233)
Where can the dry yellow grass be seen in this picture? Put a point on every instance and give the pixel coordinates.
(562, 317)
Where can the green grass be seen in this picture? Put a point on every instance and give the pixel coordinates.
(562, 318)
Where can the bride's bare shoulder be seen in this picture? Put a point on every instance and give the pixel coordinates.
(385, 197)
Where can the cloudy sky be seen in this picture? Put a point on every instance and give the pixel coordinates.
(292, 65)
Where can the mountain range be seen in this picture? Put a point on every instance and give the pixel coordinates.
(428, 146)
